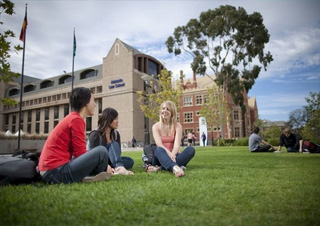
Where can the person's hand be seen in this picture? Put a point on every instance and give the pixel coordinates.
(172, 156)
(110, 170)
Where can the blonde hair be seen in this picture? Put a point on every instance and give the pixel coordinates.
(173, 111)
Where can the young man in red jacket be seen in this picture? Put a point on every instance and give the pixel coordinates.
(64, 158)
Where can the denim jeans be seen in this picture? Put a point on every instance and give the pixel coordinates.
(264, 148)
(90, 163)
(115, 156)
(162, 158)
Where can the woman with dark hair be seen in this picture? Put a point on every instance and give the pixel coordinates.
(167, 135)
(64, 158)
(107, 135)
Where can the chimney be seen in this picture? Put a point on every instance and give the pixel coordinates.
(194, 80)
(181, 79)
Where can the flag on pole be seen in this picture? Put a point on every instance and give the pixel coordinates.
(74, 44)
(24, 28)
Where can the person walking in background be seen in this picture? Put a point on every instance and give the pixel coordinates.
(194, 137)
(167, 135)
(203, 138)
(257, 144)
(293, 142)
(133, 141)
(190, 138)
(64, 158)
(107, 135)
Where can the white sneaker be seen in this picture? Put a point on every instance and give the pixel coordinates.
(277, 152)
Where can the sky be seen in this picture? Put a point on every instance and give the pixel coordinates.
(293, 25)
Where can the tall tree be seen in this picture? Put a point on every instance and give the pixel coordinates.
(298, 118)
(6, 47)
(229, 42)
(160, 91)
(311, 131)
(213, 107)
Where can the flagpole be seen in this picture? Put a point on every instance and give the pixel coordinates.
(22, 75)
(73, 55)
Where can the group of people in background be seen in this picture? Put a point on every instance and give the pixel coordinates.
(67, 158)
(292, 142)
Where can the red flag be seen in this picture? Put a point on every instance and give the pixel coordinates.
(24, 28)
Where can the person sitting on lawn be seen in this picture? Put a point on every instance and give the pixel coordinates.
(167, 135)
(107, 135)
(257, 144)
(64, 158)
(292, 142)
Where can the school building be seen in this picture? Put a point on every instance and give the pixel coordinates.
(114, 84)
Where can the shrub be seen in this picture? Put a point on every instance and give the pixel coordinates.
(242, 142)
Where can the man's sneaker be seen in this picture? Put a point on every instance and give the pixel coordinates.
(99, 177)
(277, 152)
(306, 151)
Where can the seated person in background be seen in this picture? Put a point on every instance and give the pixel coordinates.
(64, 158)
(291, 141)
(167, 135)
(108, 136)
(255, 142)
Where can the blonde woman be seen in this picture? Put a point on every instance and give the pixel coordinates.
(167, 135)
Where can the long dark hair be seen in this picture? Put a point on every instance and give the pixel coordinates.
(106, 118)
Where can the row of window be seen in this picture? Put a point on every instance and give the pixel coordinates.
(49, 99)
(49, 83)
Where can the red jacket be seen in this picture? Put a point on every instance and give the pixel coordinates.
(66, 140)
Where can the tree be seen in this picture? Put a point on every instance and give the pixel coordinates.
(213, 107)
(229, 42)
(273, 132)
(6, 74)
(311, 131)
(298, 118)
(162, 90)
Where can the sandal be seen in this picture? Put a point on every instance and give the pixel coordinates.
(150, 168)
(177, 171)
(123, 171)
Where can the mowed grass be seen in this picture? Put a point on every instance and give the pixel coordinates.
(222, 186)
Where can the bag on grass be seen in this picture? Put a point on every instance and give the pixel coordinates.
(20, 168)
(148, 150)
(312, 147)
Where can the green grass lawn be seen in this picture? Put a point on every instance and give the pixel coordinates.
(222, 186)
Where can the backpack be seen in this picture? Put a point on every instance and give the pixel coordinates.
(20, 168)
(312, 147)
(148, 150)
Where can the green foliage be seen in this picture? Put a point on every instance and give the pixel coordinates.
(272, 132)
(242, 142)
(222, 186)
(162, 90)
(311, 131)
(273, 141)
(6, 74)
(222, 34)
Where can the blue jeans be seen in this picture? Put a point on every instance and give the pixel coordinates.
(115, 156)
(90, 163)
(162, 158)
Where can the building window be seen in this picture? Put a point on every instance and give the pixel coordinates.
(88, 124)
(116, 47)
(37, 127)
(65, 79)
(29, 128)
(14, 118)
(152, 68)
(46, 114)
(188, 117)
(88, 74)
(99, 105)
(46, 84)
(198, 100)
(22, 115)
(13, 92)
(187, 101)
(7, 119)
(38, 115)
(237, 132)
(236, 115)
(56, 112)
(198, 113)
(29, 88)
(66, 109)
(206, 99)
(99, 89)
(55, 123)
(29, 116)
(46, 127)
